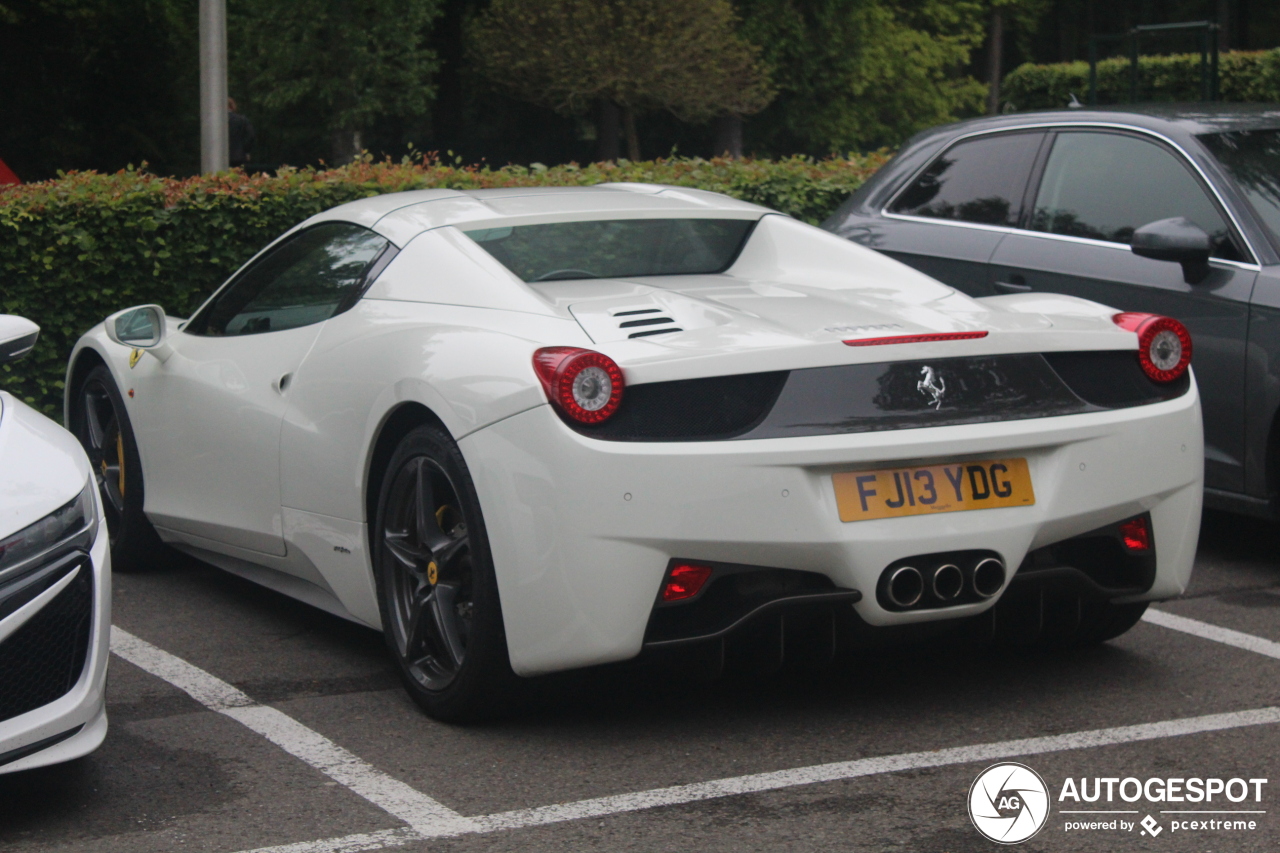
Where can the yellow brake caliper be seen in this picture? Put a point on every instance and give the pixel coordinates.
(120, 459)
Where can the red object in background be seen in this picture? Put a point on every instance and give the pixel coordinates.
(7, 176)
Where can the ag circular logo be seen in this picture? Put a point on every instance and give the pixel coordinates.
(1008, 803)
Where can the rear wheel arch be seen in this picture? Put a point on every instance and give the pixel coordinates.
(398, 423)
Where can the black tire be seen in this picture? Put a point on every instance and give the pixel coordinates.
(101, 423)
(437, 592)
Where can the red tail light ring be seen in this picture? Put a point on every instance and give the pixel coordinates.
(585, 385)
(1164, 344)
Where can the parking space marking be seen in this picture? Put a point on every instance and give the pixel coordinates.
(760, 782)
(1240, 640)
(424, 815)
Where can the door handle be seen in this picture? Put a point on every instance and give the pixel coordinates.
(1013, 286)
(282, 384)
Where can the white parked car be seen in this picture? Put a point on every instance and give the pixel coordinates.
(530, 430)
(55, 584)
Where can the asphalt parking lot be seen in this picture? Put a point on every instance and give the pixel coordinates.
(242, 720)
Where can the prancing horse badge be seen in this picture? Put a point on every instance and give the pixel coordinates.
(933, 385)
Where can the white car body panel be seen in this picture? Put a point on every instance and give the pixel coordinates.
(210, 418)
(588, 526)
(448, 328)
(44, 468)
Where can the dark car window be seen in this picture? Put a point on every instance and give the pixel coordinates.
(1253, 159)
(1104, 186)
(978, 180)
(302, 281)
(615, 248)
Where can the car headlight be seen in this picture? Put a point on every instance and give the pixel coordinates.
(70, 526)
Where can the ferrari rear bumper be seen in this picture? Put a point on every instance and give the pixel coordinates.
(583, 531)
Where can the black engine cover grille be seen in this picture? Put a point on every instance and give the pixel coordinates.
(42, 660)
(883, 396)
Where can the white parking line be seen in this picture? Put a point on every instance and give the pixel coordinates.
(426, 818)
(680, 794)
(1248, 642)
(423, 814)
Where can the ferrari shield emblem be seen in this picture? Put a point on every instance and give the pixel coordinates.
(433, 573)
(133, 357)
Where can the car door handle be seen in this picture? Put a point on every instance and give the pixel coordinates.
(1012, 287)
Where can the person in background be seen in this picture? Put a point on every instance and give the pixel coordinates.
(240, 135)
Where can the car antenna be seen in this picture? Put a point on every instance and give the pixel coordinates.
(1074, 103)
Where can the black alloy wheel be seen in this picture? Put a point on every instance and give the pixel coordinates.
(437, 591)
(100, 422)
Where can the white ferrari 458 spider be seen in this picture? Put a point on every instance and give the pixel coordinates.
(527, 430)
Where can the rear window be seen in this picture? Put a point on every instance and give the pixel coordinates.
(615, 248)
(979, 180)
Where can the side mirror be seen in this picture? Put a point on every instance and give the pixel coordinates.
(17, 336)
(142, 327)
(1176, 239)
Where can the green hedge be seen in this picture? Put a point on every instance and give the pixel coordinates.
(1242, 76)
(78, 248)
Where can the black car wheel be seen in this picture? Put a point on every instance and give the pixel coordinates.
(100, 422)
(437, 592)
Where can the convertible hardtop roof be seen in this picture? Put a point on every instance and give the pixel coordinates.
(402, 216)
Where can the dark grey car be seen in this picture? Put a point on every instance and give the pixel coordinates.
(1052, 202)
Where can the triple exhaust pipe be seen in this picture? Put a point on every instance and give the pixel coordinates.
(947, 582)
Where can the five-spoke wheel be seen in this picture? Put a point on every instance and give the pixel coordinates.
(100, 421)
(437, 591)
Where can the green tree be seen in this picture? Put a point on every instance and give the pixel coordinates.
(304, 69)
(683, 56)
(98, 84)
(860, 74)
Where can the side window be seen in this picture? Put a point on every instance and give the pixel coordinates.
(1106, 185)
(979, 180)
(302, 281)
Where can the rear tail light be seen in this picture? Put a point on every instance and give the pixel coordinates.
(1164, 344)
(684, 581)
(1136, 534)
(585, 385)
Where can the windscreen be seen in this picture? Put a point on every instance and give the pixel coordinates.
(1253, 159)
(615, 248)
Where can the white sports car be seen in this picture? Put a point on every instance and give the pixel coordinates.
(526, 430)
(55, 584)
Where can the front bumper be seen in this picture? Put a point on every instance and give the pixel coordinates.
(582, 531)
(75, 723)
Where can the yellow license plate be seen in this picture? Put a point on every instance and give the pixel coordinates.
(892, 492)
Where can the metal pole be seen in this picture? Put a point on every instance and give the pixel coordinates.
(1213, 70)
(1133, 65)
(214, 148)
(1093, 71)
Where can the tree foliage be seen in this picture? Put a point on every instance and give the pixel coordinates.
(683, 56)
(98, 84)
(859, 74)
(332, 66)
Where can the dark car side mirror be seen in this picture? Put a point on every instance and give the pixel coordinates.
(1177, 239)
